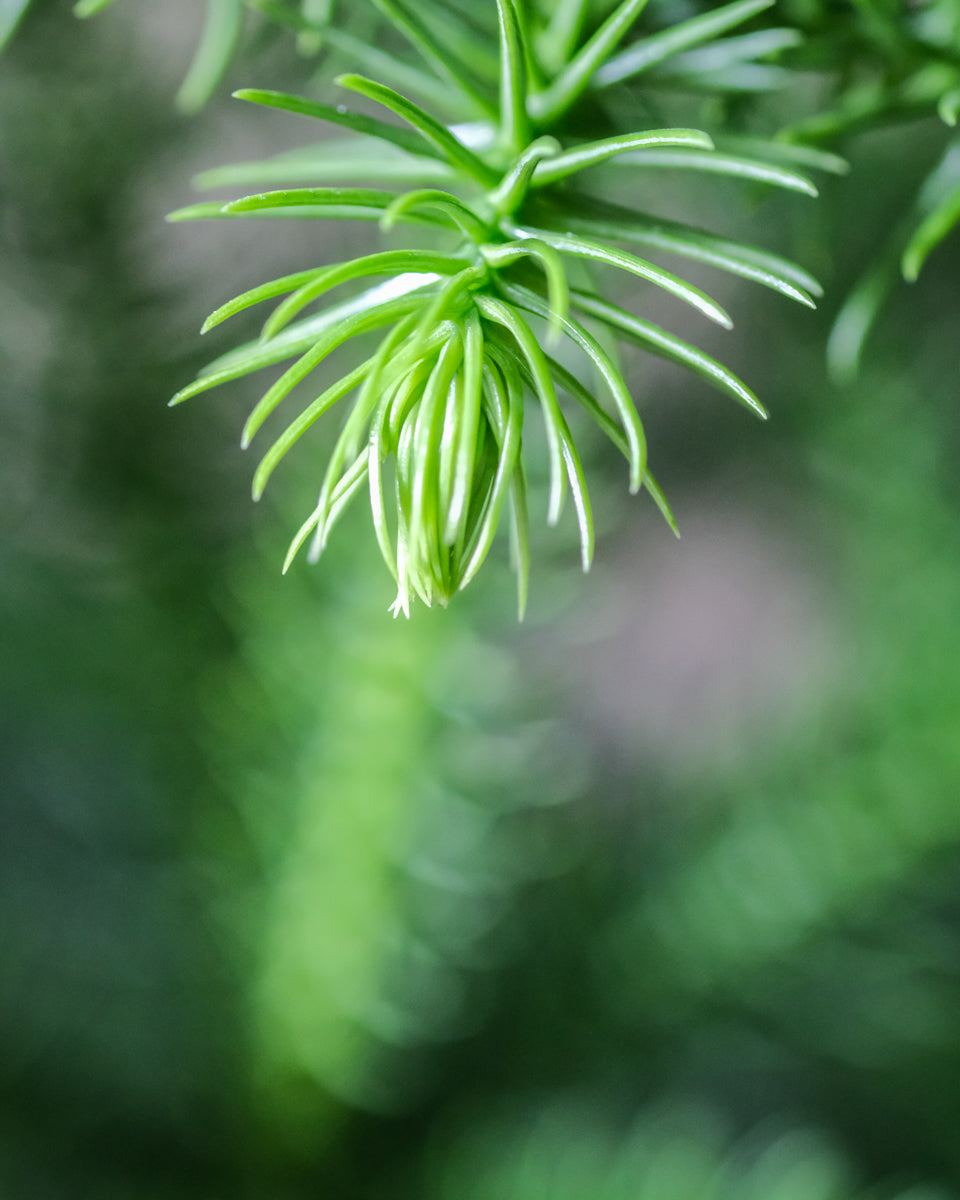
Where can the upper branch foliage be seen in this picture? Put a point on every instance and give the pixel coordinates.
(475, 147)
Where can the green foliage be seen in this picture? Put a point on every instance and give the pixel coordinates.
(300, 902)
(409, 865)
(438, 416)
(566, 1152)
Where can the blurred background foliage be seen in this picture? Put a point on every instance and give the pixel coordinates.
(654, 896)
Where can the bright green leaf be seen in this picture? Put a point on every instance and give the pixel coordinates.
(385, 263)
(736, 166)
(466, 443)
(333, 162)
(265, 291)
(405, 139)
(558, 291)
(658, 341)
(513, 78)
(437, 136)
(626, 409)
(504, 407)
(458, 213)
(328, 341)
(581, 247)
(528, 351)
(592, 153)
(613, 223)
(296, 429)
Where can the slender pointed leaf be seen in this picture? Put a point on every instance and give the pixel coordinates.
(789, 152)
(332, 162)
(424, 526)
(749, 262)
(660, 46)
(579, 73)
(626, 409)
(859, 313)
(600, 252)
(529, 350)
(437, 136)
(331, 334)
(592, 153)
(458, 213)
(588, 402)
(520, 537)
(365, 198)
(347, 443)
(298, 338)
(375, 479)
(574, 470)
(411, 385)
(505, 414)
(729, 64)
(397, 135)
(296, 429)
(513, 78)
(658, 341)
(729, 52)
(216, 210)
(299, 538)
(734, 165)
(345, 490)
(581, 497)
(450, 439)
(328, 341)
(201, 211)
(660, 501)
(738, 77)
(351, 483)
(466, 445)
(265, 291)
(510, 193)
(519, 516)
(385, 263)
(558, 292)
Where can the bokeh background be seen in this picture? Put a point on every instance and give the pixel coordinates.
(654, 896)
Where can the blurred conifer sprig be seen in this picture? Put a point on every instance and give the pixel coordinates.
(885, 63)
(567, 1151)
